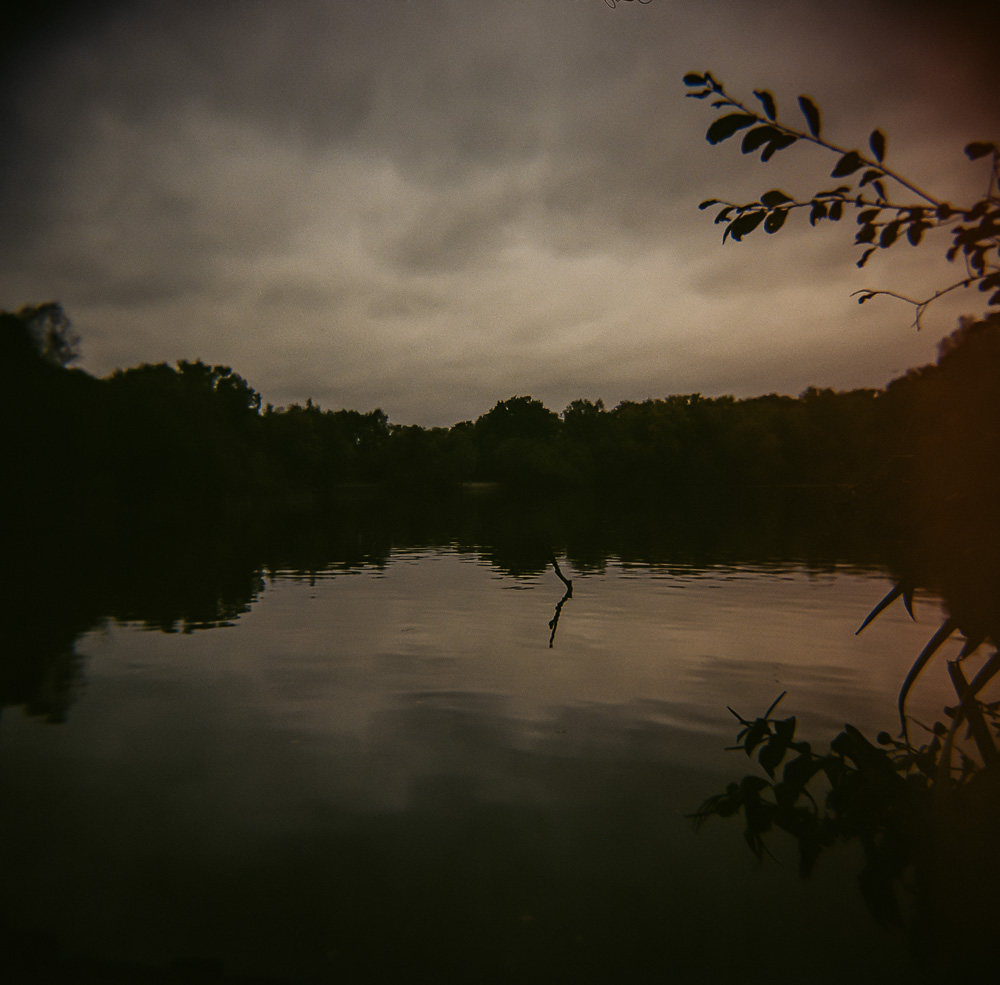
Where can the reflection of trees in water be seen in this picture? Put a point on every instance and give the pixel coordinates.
(924, 806)
(40, 674)
(924, 813)
(177, 568)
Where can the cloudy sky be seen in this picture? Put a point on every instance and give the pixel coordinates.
(432, 205)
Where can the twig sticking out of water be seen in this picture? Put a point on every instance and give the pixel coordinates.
(568, 582)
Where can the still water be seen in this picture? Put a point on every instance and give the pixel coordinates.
(424, 760)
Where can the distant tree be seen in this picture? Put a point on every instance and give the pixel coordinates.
(584, 415)
(420, 459)
(37, 334)
(518, 417)
(517, 444)
(890, 208)
(190, 430)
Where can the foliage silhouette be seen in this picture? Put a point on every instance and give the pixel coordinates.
(924, 817)
(181, 567)
(964, 412)
(199, 432)
(883, 220)
(38, 334)
(929, 809)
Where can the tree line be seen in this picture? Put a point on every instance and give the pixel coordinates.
(196, 430)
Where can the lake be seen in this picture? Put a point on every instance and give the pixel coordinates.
(371, 742)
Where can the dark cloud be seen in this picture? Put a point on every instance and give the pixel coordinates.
(429, 206)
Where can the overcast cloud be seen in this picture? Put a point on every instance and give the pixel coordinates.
(432, 205)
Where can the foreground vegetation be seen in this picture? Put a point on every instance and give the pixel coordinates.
(923, 807)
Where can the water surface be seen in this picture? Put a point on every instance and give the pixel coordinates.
(386, 763)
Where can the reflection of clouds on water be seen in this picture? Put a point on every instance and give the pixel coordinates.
(557, 847)
(383, 746)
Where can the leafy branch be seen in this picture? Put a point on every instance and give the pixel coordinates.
(880, 795)
(883, 221)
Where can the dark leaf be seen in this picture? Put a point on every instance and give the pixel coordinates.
(767, 101)
(772, 754)
(775, 220)
(774, 704)
(947, 628)
(893, 594)
(785, 729)
(779, 143)
(699, 95)
(870, 175)
(751, 786)
(756, 734)
(836, 211)
(785, 796)
(848, 164)
(866, 234)
(994, 299)
(865, 256)
(811, 113)
(877, 143)
(693, 79)
(879, 190)
(708, 202)
(758, 136)
(773, 198)
(945, 211)
(799, 771)
(724, 214)
(979, 149)
(747, 223)
(889, 234)
(724, 127)
(817, 212)
(915, 231)
(977, 211)
(869, 215)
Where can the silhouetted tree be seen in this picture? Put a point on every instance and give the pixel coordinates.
(37, 333)
(517, 443)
